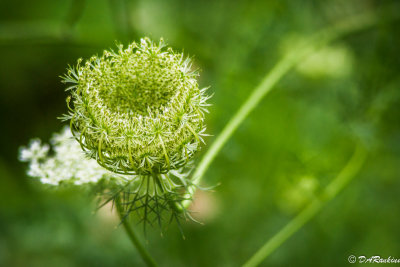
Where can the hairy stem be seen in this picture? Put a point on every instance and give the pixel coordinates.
(304, 50)
(344, 177)
(132, 236)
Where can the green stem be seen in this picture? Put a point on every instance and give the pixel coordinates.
(290, 60)
(134, 239)
(344, 177)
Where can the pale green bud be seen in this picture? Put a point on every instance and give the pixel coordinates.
(138, 110)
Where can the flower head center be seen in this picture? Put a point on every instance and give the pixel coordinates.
(138, 85)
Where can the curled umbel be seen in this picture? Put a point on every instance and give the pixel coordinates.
(137, 110)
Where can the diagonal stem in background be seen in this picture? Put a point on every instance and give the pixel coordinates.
(344, 177)
(315, 42)
(321, 39)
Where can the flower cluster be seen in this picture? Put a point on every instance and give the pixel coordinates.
(138, 110)
(68, 164)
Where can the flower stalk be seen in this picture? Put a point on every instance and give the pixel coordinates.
(132, 236)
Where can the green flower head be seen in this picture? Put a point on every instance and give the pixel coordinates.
(138, 110)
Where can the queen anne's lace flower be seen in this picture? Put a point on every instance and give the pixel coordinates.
(136, 120)
(68, 164)
(138, 110)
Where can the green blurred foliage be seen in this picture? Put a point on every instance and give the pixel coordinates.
(289, 148)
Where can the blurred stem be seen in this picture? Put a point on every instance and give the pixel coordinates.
(315, 42)
(344, 177)
(132, 236)
(73, 16)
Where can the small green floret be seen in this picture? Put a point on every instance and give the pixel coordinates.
(138, 110)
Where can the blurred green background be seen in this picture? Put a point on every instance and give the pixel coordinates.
(288, 150)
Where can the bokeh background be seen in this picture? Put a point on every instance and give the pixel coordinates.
(286, 151)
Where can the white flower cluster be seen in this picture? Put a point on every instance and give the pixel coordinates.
(68, 164)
